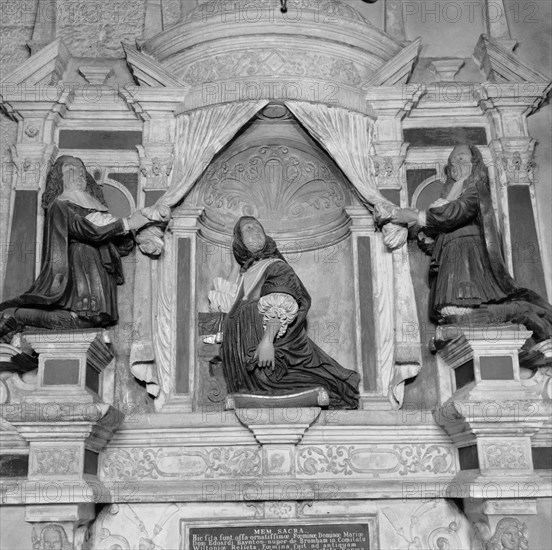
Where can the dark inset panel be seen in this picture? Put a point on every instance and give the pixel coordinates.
(14, 465)
(542, 458)
(394, 195)
(61, 372)
(90, 462)
(464, 374)
(415, 177)
(526, 255)
(99, 139)
(130, 181)
(184, 316)
(152, 197)
(444, 137)
(469, 460)
(368, 343)
(496, 368)
(117, 202)
(92, 378)
(20, 253)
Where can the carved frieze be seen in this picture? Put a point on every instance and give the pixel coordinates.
(375, 461)
(506, 456)
(54, 461)
(270, 62)
(181, 463)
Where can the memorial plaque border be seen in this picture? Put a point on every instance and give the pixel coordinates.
(206, 523)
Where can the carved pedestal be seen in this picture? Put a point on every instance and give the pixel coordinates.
(70, 364)
(491, 418)
(65, 424)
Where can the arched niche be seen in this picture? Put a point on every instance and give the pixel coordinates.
(275, 171)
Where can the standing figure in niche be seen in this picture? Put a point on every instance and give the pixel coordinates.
(469, 280)
(265, 347)
(81, 257)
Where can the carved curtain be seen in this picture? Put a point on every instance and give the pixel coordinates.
(347, 137)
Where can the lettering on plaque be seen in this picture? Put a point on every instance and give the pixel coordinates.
(349, 536)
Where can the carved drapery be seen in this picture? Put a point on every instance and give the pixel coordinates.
(199, 136)
(348, 138)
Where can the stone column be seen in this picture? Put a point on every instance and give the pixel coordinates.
(32, 156)
(179, 317)
(373, 295)
(507, 107)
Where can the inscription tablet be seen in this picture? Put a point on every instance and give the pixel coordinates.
(329, 536)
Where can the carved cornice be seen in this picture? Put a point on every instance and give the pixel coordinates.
(398, 69)
(500, 65)
(51, 61)
(148, 71)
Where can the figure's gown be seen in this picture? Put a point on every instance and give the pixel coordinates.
(299, 363)
(81, 266)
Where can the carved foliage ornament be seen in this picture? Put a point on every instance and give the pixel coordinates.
(55, 461)
(506, 456)
(346, 460)
(275, 62)
(148, 463)
(271, 182)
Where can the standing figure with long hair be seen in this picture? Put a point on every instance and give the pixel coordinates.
(81, 257)
(265, 347)
(469, 280)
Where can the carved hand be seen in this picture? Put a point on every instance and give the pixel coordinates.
(137, 220)
(405, 216)
(265, 353)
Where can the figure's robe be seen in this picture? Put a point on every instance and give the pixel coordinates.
(299, 363)
(467, 266)
(81, 266)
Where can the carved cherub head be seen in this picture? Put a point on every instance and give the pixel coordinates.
(52, 537)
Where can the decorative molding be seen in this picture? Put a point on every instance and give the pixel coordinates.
(46, 66)
(96, 75)
(446, 70)
(398, 69)
(55, 461)
(501, 66)
(505, 456)
(148, 71)
(181, 463)
(282, 62)
(375, 461)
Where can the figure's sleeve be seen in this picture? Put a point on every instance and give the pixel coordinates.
(224, 295)
(83, 229)
(455, 214)
(280, 307)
